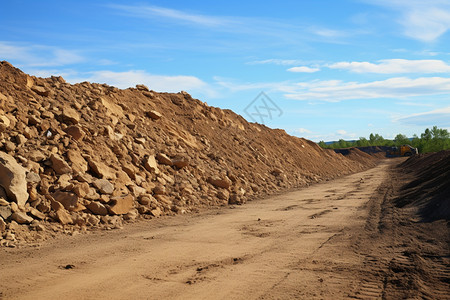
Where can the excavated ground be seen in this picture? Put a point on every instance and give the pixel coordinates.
(76, 158)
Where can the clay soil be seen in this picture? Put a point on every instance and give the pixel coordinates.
(344, 238)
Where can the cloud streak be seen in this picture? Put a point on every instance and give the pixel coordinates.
(391, 66)
(303, 69)
(440, 117)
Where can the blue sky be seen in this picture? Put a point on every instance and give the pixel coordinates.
(335, 69)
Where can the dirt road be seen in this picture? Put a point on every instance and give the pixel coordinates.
(330, 240)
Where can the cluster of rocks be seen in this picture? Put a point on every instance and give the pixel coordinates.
(84, 156)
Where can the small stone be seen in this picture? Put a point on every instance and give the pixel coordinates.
(142, 87)
(10, 146)
(100, 169)
(159, 190)
(70, 115)
(81, 189)
(220, 183)
(156, 212)
(151, 165)
(21, 139)
(33, 177)
(137, 190)
(223, 194)
(180, 163)
(40, 90)
(163, 159)
(75, 132)
(97, 208)
(21, 218)
(64, 217)
(104, 186)
(5, 212)
(121, 205)
(68, 199)
(154, 115)
(59, 165)
(2, 226)
(36, 213)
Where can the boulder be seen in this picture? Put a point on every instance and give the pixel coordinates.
(100, 169)
(13, 179)
(121, 205)
(156, 212)
(63, 217)
(59, 165)
(142, 87)
(79, 164)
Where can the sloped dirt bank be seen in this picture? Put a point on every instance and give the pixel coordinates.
(88, 156)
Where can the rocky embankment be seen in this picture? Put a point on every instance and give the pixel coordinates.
(79, 157)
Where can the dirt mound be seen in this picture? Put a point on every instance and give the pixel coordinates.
(358, 156)
(94, 156)
(429, 186)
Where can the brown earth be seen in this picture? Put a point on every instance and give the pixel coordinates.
(339, 239)
(89, 156)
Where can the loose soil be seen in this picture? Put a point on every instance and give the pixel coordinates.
(343, 238)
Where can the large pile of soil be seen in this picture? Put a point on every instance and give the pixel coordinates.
(83, 156)
(429, 187)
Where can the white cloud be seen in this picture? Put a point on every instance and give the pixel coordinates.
(148, 11)
(303, 69)
(439, 117)
(389, 66)
(398, 87)
(38, 55)
(341, 132)
(160, 83)
(276, 61)
(302, 130)
(425, 21)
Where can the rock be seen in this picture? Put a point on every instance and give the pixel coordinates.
(68, 199)
(277, 171)
(81, 189)
(156, 212)
(100, 169)
(163, 159)
(36, 155)
(21, 218)
(121, 205)
(10, 146)
(40, 90)
(33, 177)
(223, 194)
(142, 87)
(70, 115)
(220, 183)
(180, 163)
(154, 115)
(145, 199)
(140, 141)
(104, 186)
(59, 165)
(159, 190)
(5, 212)
(75, 132)
(151, 165)
(36, 213)
(137, 190)
(64, 217)
(21, 139)
(79, 164)
(97, 208)
(13, 179)
(4, 123)
(2, 226)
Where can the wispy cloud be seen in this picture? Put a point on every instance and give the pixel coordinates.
(149, 11)
(390, 66)
(439, 117)
(303, 69)
(38, 55)
(421, 20)
(276, 61)
(398, 87)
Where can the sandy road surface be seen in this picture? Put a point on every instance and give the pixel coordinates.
(303, 244)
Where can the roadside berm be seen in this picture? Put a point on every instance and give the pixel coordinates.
(79, 157)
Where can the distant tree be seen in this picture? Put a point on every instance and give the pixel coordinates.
(401, 139)
(362, 142)
(323, 145)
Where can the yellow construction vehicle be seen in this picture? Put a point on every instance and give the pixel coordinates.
(403, 150)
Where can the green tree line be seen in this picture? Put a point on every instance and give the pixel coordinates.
(431, 140)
